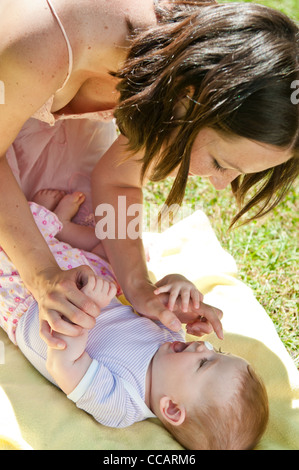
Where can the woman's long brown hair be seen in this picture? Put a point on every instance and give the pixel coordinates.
(235, 64)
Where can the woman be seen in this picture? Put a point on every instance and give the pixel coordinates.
(197, 88)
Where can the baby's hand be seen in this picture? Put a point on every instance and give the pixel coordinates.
(178, 286)
(100, 291)
(175, 291)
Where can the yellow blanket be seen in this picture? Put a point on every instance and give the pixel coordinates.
(34, 414)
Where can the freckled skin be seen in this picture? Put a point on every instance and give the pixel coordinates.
(34, 54)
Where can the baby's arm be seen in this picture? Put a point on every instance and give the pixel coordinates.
(68, 366)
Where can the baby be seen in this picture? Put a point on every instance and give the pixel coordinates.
(129, 368)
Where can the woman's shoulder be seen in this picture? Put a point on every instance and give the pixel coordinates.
(29, 39)
(107, 30)
(22, 21)
(140, 14)
(33, 60)
(30, 25)
(112, 17)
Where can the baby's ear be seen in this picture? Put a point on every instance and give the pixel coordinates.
(174, 414)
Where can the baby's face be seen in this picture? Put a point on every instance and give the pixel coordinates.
(189, 372)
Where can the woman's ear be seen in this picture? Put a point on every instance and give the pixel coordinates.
(174, 414)
(181, 106)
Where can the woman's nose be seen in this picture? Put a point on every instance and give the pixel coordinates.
(222, 181)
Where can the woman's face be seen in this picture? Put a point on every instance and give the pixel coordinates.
(221, 160)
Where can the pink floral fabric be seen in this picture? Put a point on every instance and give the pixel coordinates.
(15, 299)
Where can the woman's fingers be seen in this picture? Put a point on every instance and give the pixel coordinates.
(45, 332)
(73, 304)
(152, 307)
(64, 308)
(212, 316)
(169, 319)
(199, 328)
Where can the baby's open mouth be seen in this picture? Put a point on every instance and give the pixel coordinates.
(178, 346)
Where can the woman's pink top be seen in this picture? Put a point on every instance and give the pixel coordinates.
(44, 113)
(60, 151)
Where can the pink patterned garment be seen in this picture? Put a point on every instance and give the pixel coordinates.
(15, 299)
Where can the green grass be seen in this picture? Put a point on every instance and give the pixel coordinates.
(289, 7)
(266, 251)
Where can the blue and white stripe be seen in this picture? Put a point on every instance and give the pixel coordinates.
(122, 344)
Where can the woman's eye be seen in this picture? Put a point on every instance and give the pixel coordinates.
(217, 166)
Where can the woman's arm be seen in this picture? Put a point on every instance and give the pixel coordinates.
(29, 79)
(19, 235)
(112, 179)
(55, 290)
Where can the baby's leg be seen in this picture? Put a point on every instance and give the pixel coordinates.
(48, 198)
(79, 236)
(66, 206)
(100, 251)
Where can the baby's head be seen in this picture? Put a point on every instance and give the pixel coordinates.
(208, 399)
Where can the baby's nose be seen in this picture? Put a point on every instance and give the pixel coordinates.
(201, 345)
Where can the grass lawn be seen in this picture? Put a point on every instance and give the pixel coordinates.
(266, 251)
(289, 7)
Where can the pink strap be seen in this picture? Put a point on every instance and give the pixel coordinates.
(67, 43)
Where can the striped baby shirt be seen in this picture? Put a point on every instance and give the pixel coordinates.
(121, 345)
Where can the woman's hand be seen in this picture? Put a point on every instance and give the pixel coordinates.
(59, 295)
(147, 303)
(207, 320)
